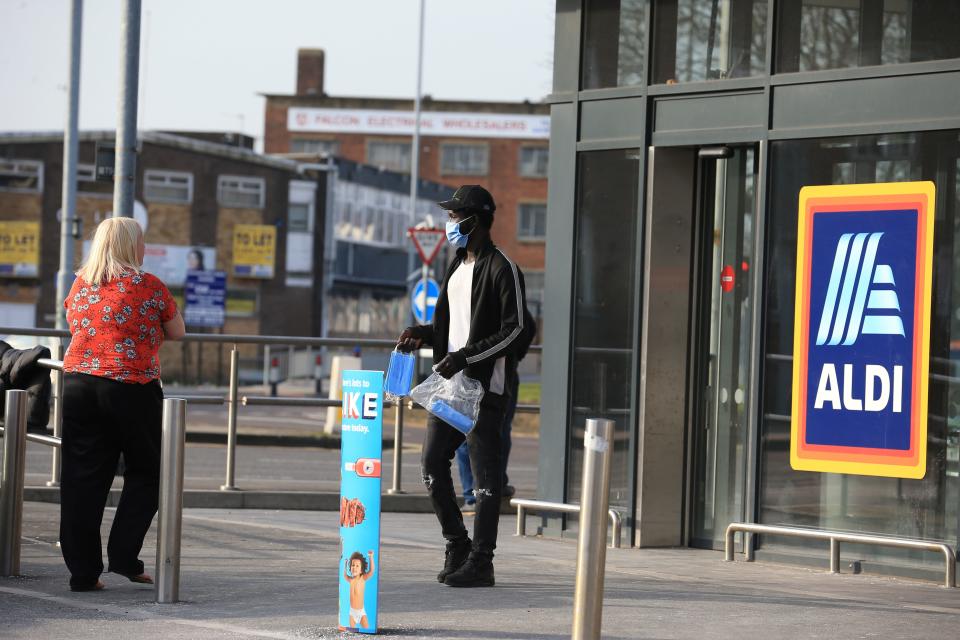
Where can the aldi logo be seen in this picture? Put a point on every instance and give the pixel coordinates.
(862, 326)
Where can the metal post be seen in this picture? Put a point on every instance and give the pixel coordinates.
(415, 148)
(125, 167)
(592, 541)
(170, 514)
(266, 368)
(68, 204)
(397, 450)
(232, 407)
(54, 480)
(521, 521)
(11, 491)
(834, 555)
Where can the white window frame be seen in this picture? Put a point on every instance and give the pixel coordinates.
(399, 144)
(332, 144)
(86, 174)
(446, 147)
(243, 184)
(522, 234)
(16, 167)
(165, 177)
(520, 163)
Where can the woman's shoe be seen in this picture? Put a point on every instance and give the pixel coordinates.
(141, 578)
(96, 586)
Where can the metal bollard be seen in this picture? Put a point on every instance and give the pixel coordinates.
(592, 541)
(397, 450)
(232, 406)
(54, 480)
(11, 491)
(170, 518)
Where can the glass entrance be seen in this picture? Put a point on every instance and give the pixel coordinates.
(723, 303)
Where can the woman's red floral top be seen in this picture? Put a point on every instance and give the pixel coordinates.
(117, 327)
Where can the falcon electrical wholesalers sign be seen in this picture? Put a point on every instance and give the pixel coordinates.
(432, 123)
(862, 329)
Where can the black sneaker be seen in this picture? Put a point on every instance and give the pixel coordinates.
(457, 553)
(475, 572)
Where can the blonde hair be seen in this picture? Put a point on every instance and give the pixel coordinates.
(113, 251)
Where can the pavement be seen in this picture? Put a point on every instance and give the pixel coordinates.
(273, 574)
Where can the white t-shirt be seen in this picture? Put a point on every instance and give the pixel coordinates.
(460, 297)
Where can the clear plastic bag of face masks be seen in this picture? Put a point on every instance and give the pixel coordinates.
(455, 401)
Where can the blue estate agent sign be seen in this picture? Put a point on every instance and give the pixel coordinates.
(433, 292)
(205, 294)
(360, 450)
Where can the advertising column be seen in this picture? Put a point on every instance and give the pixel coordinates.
(360, 451)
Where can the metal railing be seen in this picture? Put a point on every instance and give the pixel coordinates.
(234, 401)
(835, 538)
(170, 514)
(523, 505)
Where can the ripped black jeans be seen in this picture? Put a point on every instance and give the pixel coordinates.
(439, 447)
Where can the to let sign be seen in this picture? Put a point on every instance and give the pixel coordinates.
(254, 250)
(19, 249)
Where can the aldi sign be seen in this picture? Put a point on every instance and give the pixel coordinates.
(862, 329)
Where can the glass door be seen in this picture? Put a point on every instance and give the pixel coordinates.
(723, 302)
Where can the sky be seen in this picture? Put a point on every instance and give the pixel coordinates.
(204, 62)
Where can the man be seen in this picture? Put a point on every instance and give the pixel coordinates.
(477, 323)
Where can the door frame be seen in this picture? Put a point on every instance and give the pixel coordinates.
(700, 265)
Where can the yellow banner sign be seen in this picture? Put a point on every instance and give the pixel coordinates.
(254, 250)
(19, 249)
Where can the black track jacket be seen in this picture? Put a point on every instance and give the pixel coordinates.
(497, 323)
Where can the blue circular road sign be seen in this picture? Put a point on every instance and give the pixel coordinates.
(433, 291)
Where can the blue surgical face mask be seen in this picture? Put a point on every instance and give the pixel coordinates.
(454, 236)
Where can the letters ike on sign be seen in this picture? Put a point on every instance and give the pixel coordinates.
(862, 329)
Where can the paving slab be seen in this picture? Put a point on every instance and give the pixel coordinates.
(273, 574)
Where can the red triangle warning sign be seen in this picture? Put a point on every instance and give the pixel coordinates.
(427, 242)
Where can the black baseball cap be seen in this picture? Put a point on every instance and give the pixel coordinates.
(470, 196)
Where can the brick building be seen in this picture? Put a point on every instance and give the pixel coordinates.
(501, 145)
(192, 192)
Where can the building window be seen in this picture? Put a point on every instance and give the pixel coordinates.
(241, 192)
(175, 187)
(25, 176)
(614, 43)
(464, 159)
(319, 147)
(696, 40)
(533, 162)
(87, 183)
(532, 221)
(392, 156)
(298, 217)
(836, 34)
(926, 508)
(602, 384)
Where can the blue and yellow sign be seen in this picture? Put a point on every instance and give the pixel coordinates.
(361, 445)
(862, 329)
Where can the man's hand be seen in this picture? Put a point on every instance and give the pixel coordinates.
(451, 364)
(406, 342)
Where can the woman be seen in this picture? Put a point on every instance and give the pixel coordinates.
(112, 403)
